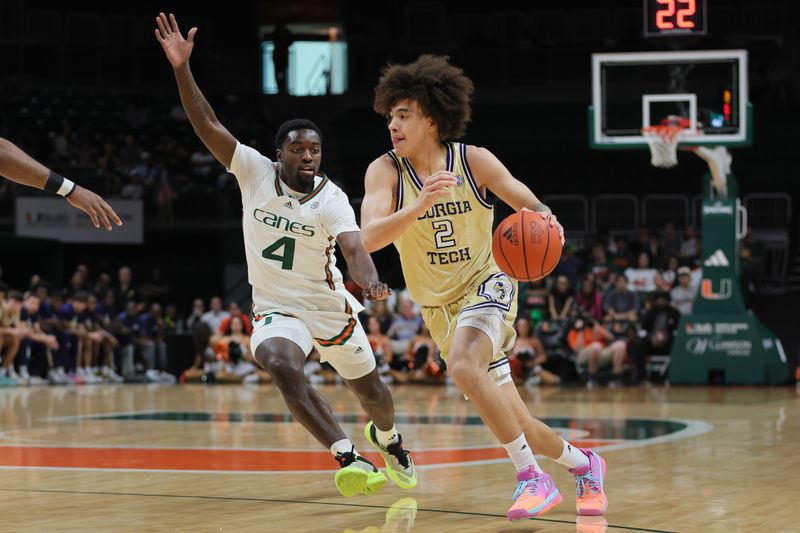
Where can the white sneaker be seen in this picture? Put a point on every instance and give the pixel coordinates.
(54, 378)
(152, 375)
(112, 376)
(167, 378)
(36, 381)
(23, 373)
(12, 374)
(91, 377)
(251, 378)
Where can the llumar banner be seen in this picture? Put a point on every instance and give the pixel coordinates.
(55, 218)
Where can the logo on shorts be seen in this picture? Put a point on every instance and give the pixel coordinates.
(359, 349)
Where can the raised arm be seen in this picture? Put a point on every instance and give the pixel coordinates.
(18, 166)
(178, 50)
(492, 174)
(360, 265)
(380, 224)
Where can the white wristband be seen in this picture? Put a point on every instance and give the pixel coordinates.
(66, 188)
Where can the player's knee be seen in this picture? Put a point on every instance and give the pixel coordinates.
(464, 374)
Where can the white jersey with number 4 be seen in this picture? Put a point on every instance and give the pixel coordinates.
(290, 242)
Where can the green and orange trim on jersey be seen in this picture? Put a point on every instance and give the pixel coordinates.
(328, 272)
(309, 196)
(316, 190)
(343, 335)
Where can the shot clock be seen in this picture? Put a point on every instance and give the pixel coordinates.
(674, 17)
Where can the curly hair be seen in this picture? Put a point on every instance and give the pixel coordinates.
(442, 90)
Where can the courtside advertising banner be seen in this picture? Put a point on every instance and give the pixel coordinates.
(55, 218)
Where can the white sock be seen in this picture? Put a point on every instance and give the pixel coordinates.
(521, 454)
(385, 438)
(572, 456)
(341, 447)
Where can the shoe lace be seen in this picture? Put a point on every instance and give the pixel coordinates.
(400, 454)
(528, 486)
(586, 484)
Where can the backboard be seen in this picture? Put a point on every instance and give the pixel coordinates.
(707, 88)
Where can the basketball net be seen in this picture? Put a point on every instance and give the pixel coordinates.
(663, 141)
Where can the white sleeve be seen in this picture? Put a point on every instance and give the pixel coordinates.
(249, 166)
(338, 215)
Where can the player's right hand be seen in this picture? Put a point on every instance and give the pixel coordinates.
(377, 290)
(436, 187)
(175, 46)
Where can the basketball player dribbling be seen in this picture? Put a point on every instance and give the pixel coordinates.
(293, 218)
(428, 197)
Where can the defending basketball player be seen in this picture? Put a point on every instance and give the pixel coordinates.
(293, 218)
(428, 197)
(18, 166)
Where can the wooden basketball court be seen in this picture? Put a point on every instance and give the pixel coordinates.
(229, 458)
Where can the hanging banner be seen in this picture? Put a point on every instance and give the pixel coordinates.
(55, 218)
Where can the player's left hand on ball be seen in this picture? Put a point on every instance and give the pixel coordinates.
(553, 221)
(377, 291)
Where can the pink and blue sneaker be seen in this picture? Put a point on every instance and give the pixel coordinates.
(590, 499)
(535, 495)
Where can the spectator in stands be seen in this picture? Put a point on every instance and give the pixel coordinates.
(380, 309)
(589, 301)
(690, 247)
(425, 361)
(381, 344)
(670, 273)
(172, 322)
(601, 268)
(570, 265)
(125, 290)
(622, 258)
(533, 300)
(560, 301)
(198, 310)
(77, 283)
(154, 348)
(103, 342)
(11, 334)
(658, 326)
(670, 241)
(527, 357)
(655, 250)
(621, 304)
(234, 311)
(233, 349)
(683, 295)
(405, 325)
(127, 329)
(75, 348)
(642, 278)
(596, 349)
(34, 347)
(215, 316)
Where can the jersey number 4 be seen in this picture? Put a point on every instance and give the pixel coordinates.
(286, 257)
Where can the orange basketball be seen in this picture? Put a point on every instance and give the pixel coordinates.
(526, 247)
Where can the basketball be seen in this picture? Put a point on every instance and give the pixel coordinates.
(526, 247)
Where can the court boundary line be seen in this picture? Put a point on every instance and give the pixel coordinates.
(306, 502)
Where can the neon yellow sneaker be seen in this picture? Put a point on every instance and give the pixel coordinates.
(357, 476)
(399, 465)
(400, 516)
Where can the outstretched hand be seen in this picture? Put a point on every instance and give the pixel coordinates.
(175, 46)
(94, 206)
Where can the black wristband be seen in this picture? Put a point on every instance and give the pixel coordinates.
(53, 183)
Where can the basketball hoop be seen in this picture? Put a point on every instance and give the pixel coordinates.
(663, 141)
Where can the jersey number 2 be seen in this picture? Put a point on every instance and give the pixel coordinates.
(286, 258)
(443, 233)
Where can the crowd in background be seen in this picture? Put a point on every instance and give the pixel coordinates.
(598, 318)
